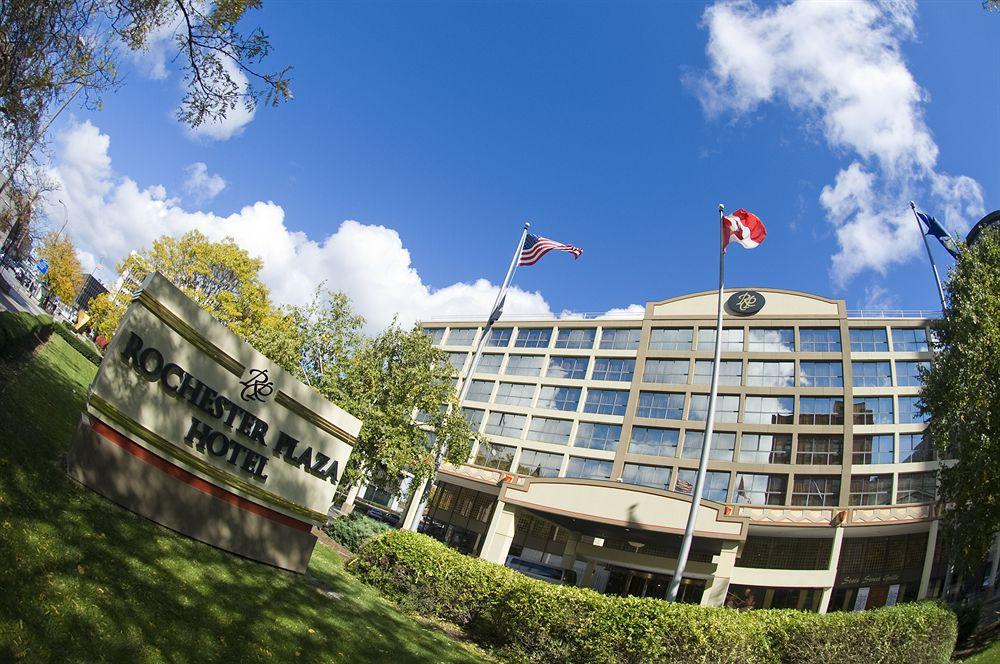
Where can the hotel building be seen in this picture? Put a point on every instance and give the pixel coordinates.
(820, 487)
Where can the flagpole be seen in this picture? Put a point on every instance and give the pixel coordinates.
(675, 582)
(467, 383)
(927, 246)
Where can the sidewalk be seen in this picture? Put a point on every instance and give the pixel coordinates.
(17, 299)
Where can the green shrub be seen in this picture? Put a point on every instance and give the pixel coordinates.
(353, 530)
(22, 331)
(527, 620)
(79, 343)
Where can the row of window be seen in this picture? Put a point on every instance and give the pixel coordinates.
(758, 339)
(676, 372)
(670, 405)
(749, 488)
(812, 449)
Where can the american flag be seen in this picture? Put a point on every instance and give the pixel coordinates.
(683, 486)
(535, 247)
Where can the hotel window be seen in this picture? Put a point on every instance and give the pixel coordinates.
(723, 445)
(815, 450)
(766, 448)
(730, 372)
(524, 365)
(654, 442)
(620, 338)
(489, 363)
(909, 340)
(772, 340)
(596, 436)
(505, 424)
(436, 334)
(819, 339)
(593, 469)
(480, 390)
(549, 430)
(499, 337)
(873, 410)
(606, 402)
(533, 337)
(559, 398)
(660, 405)
(915, 447)
(457, 360)
(873, 449)
(770, 374)
(871, 490)
(727, 408)
(768, 410)
(909, 411)
(539, 464)
(567, 367)
(755, 489)
(671, 338)
(716, 484)
(821, 410)
(916, 488)
(871, 374)
(656, 477)
(461, 336)
(732, 339)
(496, 456)
(821, 374)
(474, 416)
(514, 394)
(666, 371)
(576, 338)
(816, 491)
(868, 340)
(609, 368)
(908, 373)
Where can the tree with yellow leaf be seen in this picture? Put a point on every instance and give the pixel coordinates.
(64, 276)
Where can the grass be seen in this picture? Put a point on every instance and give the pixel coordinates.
(989, 656)
(83, 580)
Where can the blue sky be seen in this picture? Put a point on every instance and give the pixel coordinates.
(605, 124)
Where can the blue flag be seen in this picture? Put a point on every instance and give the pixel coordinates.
(938, 231)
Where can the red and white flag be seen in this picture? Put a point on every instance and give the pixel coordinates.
(744, 227)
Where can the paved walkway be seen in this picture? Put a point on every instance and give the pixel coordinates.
(17, 299)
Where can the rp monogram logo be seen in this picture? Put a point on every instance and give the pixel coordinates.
(746, 301)
(256, 387)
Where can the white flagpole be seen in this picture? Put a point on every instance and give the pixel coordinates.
(467, 383)
(675, 582)
(927, 246)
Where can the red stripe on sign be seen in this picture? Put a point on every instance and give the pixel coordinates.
(158, 462)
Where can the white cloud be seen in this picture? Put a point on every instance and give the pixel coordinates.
(840, 64)
(236, 119)
(201, 185)
(111, 214)
(161, 45)
(877, 297)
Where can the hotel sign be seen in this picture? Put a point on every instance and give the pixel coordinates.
(189, 426)
(745, 303)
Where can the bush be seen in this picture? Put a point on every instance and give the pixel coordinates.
(22, 331)
(969, 614)
(79, 343)
(528, 620)
(353, 530)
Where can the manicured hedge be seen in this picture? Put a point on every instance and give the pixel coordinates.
(353, 530)
(79, 343)
(22, 331)
(527, 620)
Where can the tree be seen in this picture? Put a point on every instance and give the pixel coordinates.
(961, 395)
(64, 276)
(105, 313)
(394, 375)
(220, 276)
(51, 51)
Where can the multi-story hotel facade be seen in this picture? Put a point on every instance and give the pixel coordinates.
(820, 487)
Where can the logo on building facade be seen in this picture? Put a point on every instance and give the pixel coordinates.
(257, 387)
(745, 303)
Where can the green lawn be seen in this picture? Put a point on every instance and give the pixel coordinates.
(989, 656)
(84, 580)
